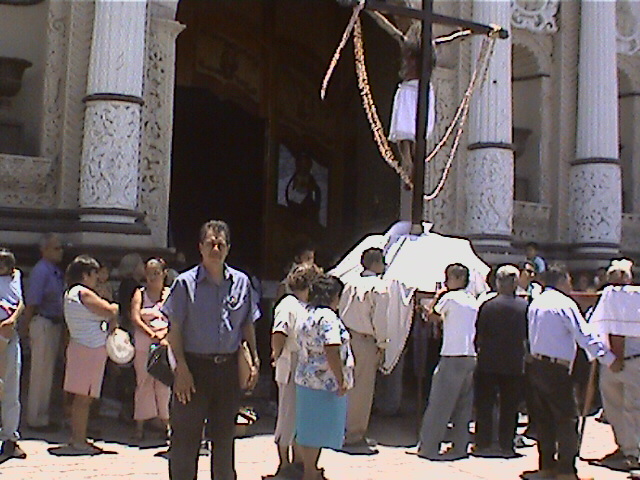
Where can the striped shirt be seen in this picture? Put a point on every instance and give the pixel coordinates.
(85, 327)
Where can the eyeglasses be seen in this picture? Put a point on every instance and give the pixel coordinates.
(216, 243)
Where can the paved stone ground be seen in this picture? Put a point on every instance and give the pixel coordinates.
(256, 456)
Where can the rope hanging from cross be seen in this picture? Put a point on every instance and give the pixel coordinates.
(376, 9)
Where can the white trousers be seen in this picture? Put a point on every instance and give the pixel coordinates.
(45, 344)
(621, 400)
(11, 400)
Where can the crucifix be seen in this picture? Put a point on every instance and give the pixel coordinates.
(427, 17)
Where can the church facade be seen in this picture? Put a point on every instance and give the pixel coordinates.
(114, 128)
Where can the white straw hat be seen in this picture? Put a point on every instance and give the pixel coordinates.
(119, 347)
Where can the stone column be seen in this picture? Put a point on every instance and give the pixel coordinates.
(111, 144)
(595, 186)
(157, 115)
(489, 163)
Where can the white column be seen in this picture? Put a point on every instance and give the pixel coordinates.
(489, 163)
(111, 144)
(157, 115)
(595, 185)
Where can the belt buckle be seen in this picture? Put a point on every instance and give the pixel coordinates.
(218, 359)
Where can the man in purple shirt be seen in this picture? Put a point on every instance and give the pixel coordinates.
(211, 310)
(43, 319)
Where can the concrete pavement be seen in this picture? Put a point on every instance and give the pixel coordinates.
(256, 456)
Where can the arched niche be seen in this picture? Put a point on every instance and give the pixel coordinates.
(628, 108)
(530, 87)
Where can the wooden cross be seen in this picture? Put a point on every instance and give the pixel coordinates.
(428, 18)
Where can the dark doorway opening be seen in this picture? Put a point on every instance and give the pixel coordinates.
(217, 172)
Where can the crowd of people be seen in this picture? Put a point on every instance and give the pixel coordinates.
(511, 350)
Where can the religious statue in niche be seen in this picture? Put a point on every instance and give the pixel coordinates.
(303, 186)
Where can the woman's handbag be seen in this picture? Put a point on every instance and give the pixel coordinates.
(158, 365)
(245, 366)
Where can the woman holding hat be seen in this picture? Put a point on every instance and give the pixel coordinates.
(151, 326)
(89, 318)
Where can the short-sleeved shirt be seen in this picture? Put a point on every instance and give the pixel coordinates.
(459, 310)
(46, 289)
(320, 328)
(211, 316)
(501, 333)
(85, 327)
(10, 293)
(288, 312)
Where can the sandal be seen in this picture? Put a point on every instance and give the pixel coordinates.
(76, 450)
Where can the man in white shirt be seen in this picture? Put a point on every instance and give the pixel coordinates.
(451, 397)
(363, 309)
(555, 327)
(620, 389)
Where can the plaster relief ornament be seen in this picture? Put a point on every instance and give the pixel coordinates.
(628, 26)
(538, 16)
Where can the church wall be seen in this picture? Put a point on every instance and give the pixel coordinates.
(26, 106)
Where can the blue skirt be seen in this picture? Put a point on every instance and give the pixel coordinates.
(321, 418)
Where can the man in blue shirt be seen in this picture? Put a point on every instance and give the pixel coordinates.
(211, 310)
(555, 327)
(43, 317)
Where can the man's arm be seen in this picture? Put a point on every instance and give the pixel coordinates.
(617, 347)
(175, 309)
(7, 326)
(592, 346)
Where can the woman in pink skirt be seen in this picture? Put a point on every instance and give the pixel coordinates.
(89, 318)
(152, 396)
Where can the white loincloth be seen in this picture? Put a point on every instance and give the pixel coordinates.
(403, 115)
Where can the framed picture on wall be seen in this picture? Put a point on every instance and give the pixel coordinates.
(303, 185)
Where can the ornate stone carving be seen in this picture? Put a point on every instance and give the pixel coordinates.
(531, 221)
(77, 66)
(110, 155)
(438, 211)
(54, 86)
(489, 179)
(628, 26)
(596, 203)
(157, 124)
(24, 181)
(535, 15)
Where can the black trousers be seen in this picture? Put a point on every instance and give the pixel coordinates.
(216, 400)
(555, 414)
(488, 387)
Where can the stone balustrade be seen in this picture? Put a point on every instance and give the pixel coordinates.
(26, 181)
(531, 221)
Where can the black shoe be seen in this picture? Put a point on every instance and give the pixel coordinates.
(359, 448)
(11, 449)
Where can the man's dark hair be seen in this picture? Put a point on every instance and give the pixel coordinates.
(217, 226)
(532, 245)
(7, 258)
(301, 276)
(324, 289)
(459, 270)
(554, 275)
(371, 256)
(82, 264)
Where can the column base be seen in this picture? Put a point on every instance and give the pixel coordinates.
(109, 215)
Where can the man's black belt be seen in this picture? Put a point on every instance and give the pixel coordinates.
(631, 357)
(216, 358)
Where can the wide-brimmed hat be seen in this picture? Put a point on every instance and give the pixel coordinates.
(119, 347)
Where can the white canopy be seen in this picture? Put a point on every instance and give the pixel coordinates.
(417, 261)
(414, 262)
